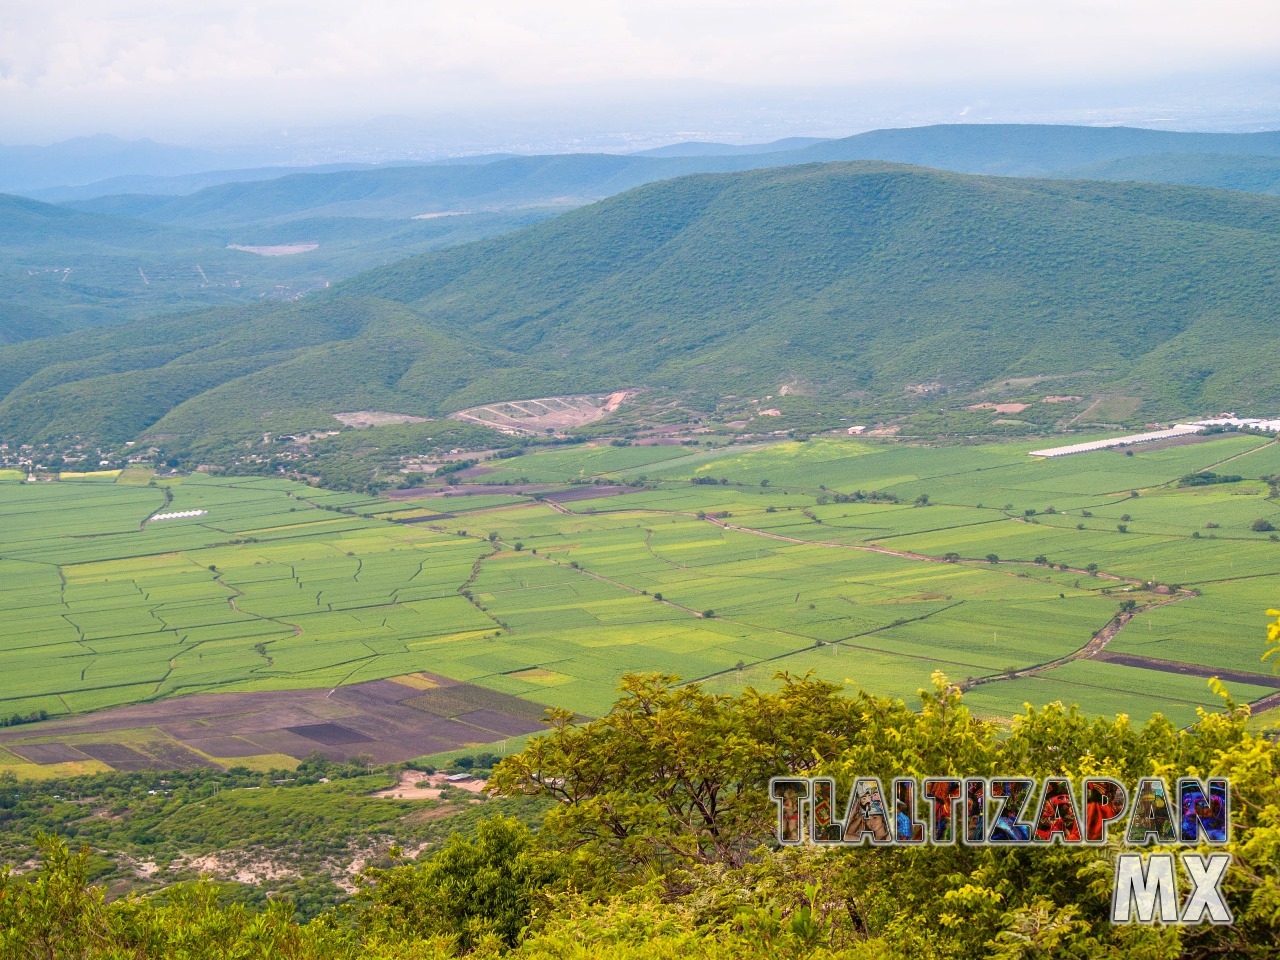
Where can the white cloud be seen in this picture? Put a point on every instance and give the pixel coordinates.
(227, 58)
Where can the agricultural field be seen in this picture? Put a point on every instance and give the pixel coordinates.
(869, 563)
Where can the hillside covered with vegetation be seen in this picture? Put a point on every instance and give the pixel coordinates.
(866, 283)
(64, 269)
(662, 845)
(409, 190)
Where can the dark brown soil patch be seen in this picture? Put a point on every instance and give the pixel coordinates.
(471, 473)
(119, 757)
(47, 753)
(467, 490)
(1182, 441)
(293, 745)
(464, 698)
(330, 734)
(1190, 669)
(501, 723)
(433, 813)
(374, 692)
(229, 747)
(380, 718)
(169, 755)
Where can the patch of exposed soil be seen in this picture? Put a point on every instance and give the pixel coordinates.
(999, 407)
(277, 250)
(361, 419)
(1189, 669)
(466, 490)
(408, 789)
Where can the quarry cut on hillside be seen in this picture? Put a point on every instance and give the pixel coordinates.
(544, 415)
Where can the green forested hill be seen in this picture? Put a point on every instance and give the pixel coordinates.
(857, 278)
(62, 269)
(1031, 149)
(1254, 174)
(108, 258)
(878, 277)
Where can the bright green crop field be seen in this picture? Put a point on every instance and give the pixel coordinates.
(978, 561)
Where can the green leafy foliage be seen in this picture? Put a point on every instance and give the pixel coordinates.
(695, 769)
(466, 890)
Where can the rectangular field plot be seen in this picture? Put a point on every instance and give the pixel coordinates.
(884, 673)
(579, 463)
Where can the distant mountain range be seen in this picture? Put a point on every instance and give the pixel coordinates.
(100, 166)
(703, 148)
(86, 159)
(569, 179)
(849, 280)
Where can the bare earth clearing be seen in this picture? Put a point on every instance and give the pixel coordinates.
(375, 418)
(279, 250)
(999, 407)
(408, 789)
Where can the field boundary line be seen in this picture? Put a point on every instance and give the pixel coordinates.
(1097, 643)
(1237, 456)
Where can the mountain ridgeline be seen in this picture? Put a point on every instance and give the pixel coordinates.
(850, 280)
(567, 179)
(195, 240)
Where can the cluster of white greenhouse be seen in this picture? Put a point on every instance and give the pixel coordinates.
(1177, 430)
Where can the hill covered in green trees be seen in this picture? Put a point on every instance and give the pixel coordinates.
(866, 282)
(120, 256)
(63, 269)
(1252, 174)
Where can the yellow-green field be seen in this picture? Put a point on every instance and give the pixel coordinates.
(784, 562)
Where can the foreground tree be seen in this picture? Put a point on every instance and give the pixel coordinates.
(661, 846)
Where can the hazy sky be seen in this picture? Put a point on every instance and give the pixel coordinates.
(170, 68)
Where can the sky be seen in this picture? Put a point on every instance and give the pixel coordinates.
(592, 69)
